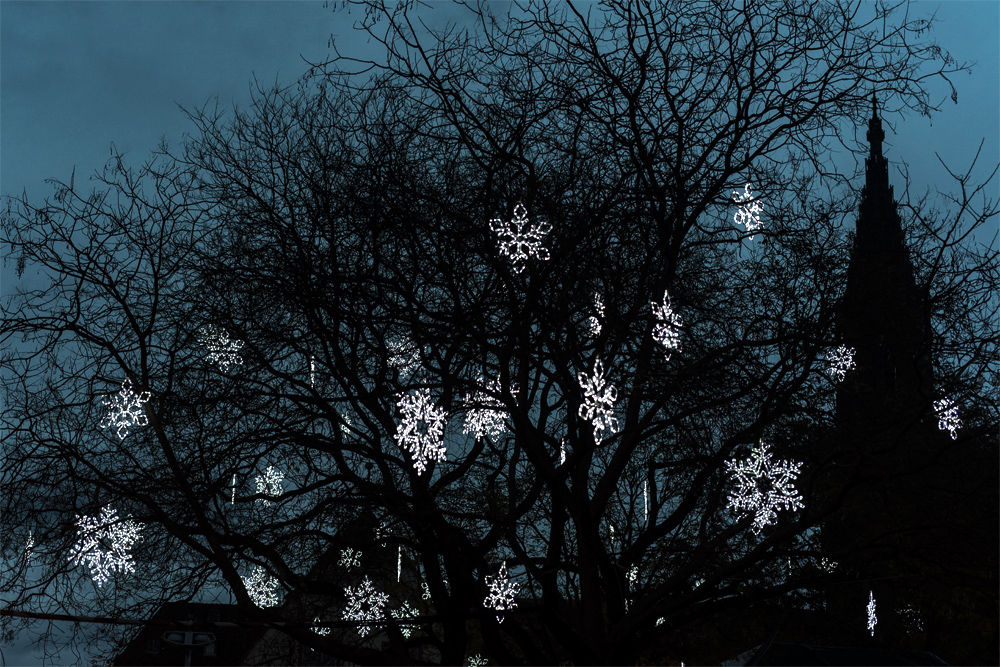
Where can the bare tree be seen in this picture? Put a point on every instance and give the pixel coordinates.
(301, 273)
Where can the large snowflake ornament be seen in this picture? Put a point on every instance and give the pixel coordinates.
(270, 484)
(406, 611)
(103, 544)
(520, 240)
(594, 321)
(321, 630)
(261, 588)
(365, 604)
(841, 361)
(667, 331)
(422, 431)
(947, 414)
(125, 409)
(872, 619)
(599, 398)
(763, 487)
(748, 210)
(485, 414)
(221, 350)
(502, 592)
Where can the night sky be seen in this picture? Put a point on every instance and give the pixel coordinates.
(77, 76)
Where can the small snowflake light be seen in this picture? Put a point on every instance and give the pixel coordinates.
(828, 565)
(261, 588)
(406, 611)
(349, 558)
(947, 414)
(667, 331)
(103, 544)
(319, 629)
(633, 575)
(562, 451)
(748, 210)
(270, 484)
(426, 595)
(29, 546)
(312, 371)
(233, 499)
(841, 361)
(126, 409)
(365, 604)
(221, 350)
(660, 620)
(598, 402)
(422, 430)
(502, 592)
(763, 487)
(485, 414)
(477, 661)
(520, 240)
(594, 321)
(872, 619)
(404, 355)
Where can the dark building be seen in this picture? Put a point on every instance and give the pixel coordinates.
(919, 528)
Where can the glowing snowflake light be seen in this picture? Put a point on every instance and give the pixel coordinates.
(748, 212)
(426, 595)
(947, 414)
(423, 443)
(476, 661)
(349, 558)
(126, 409)
(261, 588)
(221, 350)
(598, 402)
(633, 575)
(29, 546)
(519, 240)
(485, 414)
(103, 544)
(233, 501)
(365, 604)
(320, 630)
(270, 484)
(872, 619)
(763, 487)
(502, 592)
(404, 355)
(562, 451)
(594, 321)
(841, 361)
(667, 331)
(406, 611)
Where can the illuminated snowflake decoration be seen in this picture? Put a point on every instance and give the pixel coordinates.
(422, 430)
(103, 544)
(406, 611)
(349, 558)
(502, 592)
(912, 619)
(947, 414)
(312, 371)
(645, 500)
(594, 321)
(233, 500)
(477, 661)
(520, 240)
(562, 451)
(404, 356)
(828, 565)
(633, 575)
(748, 211)
(660, 620)
(667, 331)
(29, 546)
(221, 350)
(125, 409)
(872, 619)
(426, 595)
(598, 402)
(365, 604)
(382, 532)
(485, 414)
(763, 487)
(261, 588)
(319, 629)
(841, 361)
(270, 484)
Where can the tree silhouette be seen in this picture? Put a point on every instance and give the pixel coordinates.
(340, 230)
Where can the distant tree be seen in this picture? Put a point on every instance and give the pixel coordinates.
(299, 273)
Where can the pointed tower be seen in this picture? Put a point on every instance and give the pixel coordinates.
(882, 314)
